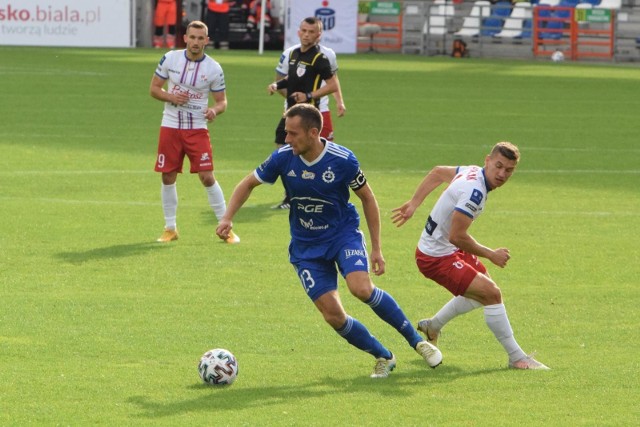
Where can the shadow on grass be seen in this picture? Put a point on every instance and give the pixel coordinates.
(236, 397)
(252, 214)
(109, 252)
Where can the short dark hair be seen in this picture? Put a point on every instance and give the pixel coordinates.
(310, 116)
(312, 20)
(198, 25)
(507, 149)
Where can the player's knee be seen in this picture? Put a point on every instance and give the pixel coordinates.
(361, 290)
(493, 295)
(335, 319)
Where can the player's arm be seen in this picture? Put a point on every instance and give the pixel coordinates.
(337, 95)
(460, 237)
(438, 175)
(157, 91)
(279, 86)
(330, 86)
(282, 92)
(240, 195)
(372, 216)
(220, 106)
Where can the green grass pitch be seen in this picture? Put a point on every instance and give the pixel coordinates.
(99, 325)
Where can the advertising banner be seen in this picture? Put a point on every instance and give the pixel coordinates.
(88, 23)
(339, 18)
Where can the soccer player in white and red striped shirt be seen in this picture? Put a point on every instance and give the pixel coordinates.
(190, 77)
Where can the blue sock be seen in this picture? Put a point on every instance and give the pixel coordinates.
(388, 310)
(358, 336)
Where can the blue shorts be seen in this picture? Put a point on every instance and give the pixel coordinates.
(317, 266)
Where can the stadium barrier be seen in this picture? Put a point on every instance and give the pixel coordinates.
(564, 29)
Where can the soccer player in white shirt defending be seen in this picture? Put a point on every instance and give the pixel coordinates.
(448, 254)
(190, 76)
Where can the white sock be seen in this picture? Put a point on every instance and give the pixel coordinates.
(216, 200)
(496, 318)
(169, 195)
(455, 307)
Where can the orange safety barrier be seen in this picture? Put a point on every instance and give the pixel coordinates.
(569, 35)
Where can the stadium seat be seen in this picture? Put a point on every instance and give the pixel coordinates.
(593, 3)
(471, 24)
(438, 15)
(493, 24)
(542, 23)
(513, 25)
(526, 29)
(610, 4)
(549, 2)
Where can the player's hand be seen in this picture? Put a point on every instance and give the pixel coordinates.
(500, 257)
(210, 114)
(223, 228)
(180, 98)
(299, 97)
(403, 213)
(341, 109)
(272, 88)
(377, 263)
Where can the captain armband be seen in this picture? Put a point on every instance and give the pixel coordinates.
(358, 181)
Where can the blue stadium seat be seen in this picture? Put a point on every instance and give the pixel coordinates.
(591, 2)
(548, 13)
(526, 29)
(493, 24)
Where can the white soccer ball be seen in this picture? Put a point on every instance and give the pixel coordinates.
(218, 367)
(557, 56)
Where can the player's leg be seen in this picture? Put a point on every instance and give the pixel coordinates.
(159, 22)
(352, 260)
(327, 126)
(453, 272)
(198, 149)
(485, 291)
(169, 163)
(171, 20)
(319, 279)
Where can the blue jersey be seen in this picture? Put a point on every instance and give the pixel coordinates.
(319, 191)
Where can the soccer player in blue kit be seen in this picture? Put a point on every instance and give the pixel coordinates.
(318, 176)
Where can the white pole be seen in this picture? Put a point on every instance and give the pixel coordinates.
(262, 17)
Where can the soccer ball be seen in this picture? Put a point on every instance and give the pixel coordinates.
(218, 367)
(557, 56)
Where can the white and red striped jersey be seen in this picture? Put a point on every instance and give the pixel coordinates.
(195, 78)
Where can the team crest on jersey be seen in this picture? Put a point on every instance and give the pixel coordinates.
(204, 157)
(328, 176)
(308, 175)
(301, 70)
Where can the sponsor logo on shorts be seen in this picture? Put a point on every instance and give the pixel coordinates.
(348, 253)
